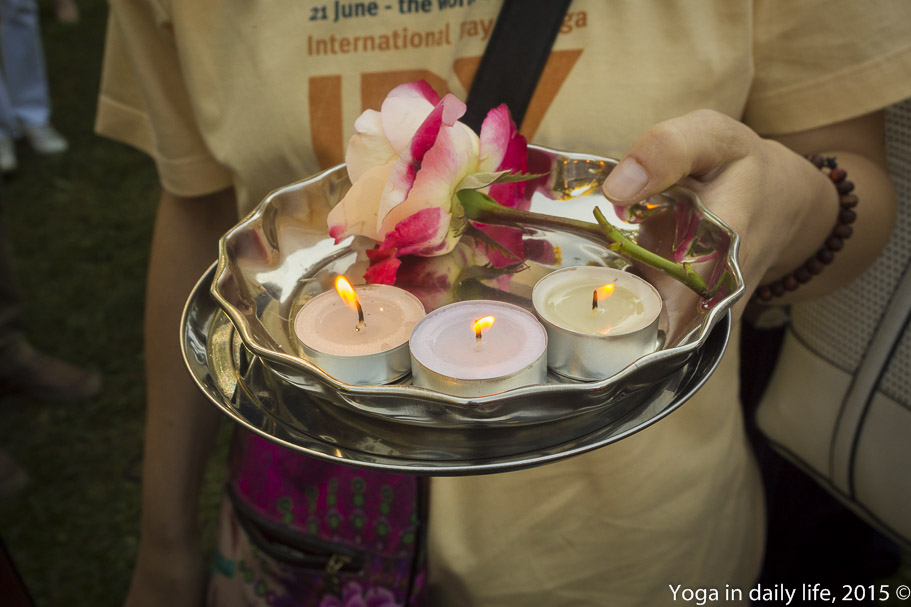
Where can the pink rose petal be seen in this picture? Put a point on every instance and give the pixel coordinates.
(444, 115)
(383, 268)
(368, 147)
(502, 147)
(403, 111)
(423, 233)
(453, 156)
(356, 212)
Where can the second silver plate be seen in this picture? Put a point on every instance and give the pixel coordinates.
(262, 401)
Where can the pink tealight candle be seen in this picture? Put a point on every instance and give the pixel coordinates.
(359, 337)
(476, 348)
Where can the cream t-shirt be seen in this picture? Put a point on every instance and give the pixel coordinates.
(258, 94)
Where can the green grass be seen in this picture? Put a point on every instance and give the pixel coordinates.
(80, 225)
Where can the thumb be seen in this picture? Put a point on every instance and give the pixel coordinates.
(699, 144)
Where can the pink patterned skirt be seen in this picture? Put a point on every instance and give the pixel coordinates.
(295, 531)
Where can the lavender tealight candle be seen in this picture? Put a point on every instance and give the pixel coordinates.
(477, 348)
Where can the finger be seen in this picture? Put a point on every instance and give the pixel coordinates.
(695, 145)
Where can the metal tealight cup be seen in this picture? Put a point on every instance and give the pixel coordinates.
(586, 356)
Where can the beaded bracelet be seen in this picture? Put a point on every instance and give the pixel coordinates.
(834, 243)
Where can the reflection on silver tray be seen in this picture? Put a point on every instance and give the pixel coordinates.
(249, 392)
(280, 256)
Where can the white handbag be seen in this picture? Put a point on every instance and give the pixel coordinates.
(839, 402)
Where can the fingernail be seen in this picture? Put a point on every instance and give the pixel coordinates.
(625, 181)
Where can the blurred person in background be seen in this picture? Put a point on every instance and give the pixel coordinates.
(67, 11)
(24, 370)
(25, 108)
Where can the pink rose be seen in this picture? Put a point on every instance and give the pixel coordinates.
(407, 163)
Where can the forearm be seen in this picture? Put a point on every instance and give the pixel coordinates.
(875, 218)
(180, 424)
(857, 146)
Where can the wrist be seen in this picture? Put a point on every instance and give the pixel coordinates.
(806, 219)
(778, 283)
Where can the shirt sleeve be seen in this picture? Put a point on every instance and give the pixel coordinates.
(144, 102)
(818, 62)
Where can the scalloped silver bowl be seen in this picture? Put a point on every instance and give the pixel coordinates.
(280, 256)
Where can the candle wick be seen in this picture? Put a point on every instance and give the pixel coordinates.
(360, 316)
(594, 300)
(477, 335)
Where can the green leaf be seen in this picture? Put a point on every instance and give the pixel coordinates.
(476, 181)
(517, 177)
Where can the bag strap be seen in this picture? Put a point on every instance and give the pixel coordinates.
(860, 395)
(514, 58)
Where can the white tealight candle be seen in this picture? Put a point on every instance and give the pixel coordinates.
(598, 320)
(359, 337)
(476, 348)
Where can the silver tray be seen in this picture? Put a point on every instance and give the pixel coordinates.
(247, 391)
(280, 256)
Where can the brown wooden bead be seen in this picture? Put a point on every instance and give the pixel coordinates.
(790, 283)
(817, 161)
(814, 266)
(848, 201)
(826, 256)
(777, 288)
(834, 244)
(843, 230)
(838, 175)
(802, 275)
(845, 187)
(847, 216)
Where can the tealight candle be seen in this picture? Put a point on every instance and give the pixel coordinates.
(359, 337)
(476, 348)
(598, 320)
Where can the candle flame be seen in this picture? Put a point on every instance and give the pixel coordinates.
(481, 325)
(602, 293)
(346, 292)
